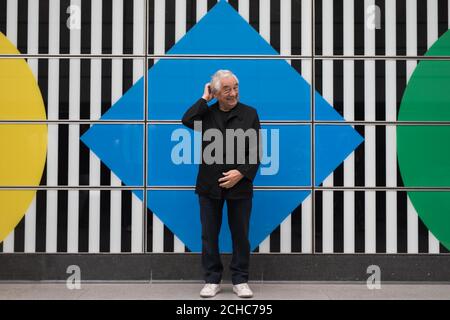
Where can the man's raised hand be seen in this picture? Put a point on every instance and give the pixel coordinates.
(207, 93)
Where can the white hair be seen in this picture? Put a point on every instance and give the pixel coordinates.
(216, 83)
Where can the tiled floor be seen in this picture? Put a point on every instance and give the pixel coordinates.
(190, 291)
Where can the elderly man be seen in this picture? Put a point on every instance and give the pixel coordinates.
(228, 178)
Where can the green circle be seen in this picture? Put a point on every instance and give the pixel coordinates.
(424, 151)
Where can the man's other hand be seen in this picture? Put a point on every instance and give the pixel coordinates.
(230, 178)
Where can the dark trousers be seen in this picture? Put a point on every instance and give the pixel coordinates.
(238, 221)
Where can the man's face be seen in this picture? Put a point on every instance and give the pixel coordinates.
(228, 95)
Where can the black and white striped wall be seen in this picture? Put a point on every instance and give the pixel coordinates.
(82, 207)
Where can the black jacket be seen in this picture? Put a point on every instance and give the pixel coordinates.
(240, 117)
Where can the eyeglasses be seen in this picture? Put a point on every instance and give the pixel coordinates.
(228, 90)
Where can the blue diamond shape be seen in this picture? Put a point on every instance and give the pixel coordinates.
(272, 86)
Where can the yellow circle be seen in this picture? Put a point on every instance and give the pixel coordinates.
(22, 146)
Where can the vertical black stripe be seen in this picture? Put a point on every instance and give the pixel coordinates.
(297, 65)
(107, 27)
(338, 221)
(338, 27)
(380, 169)
(360, 23)
(43, 181)
(359, 90)
(318, 221)
(170, 25)
(402, 222)
(85, 89)
(43, 81)
(359, 174)
(421, 27)
(43, 27)
(127, 74)
(296, 31)
(318, 76)
(211, 4)
(128, 11)
(63, 135)
(41, 220)
(83, 213)
(64, 32)
(442, 17)
(168, 240)
(86, 16)
(359, 18)
(126, 221)
(318, 27)
(359, 160)
(62, 213)
(275, 17)
(359, 196)
(338, 175)
(401, 83)
(81, 152)
(41, 209)
(105, 174)
(423, 237)
(296, 27)
(19, 236)
(127, 83)
(380, 160)
(338, 86)
(191, 14)
(380, 115)
(41, 197)
(106, 85)
(275, 240)
(234, 4)
(62, 157)
(359, 222)
(254, 14)
(105, 218)
(318, 195)
(402, 211)
(151, 26)
(149, 230)
(3, 19)
(443, 249)
(380, 33)
(380, 221)
(22, 26)
(64, 89)
(296, 222)
(149, 214)
(401, 27)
